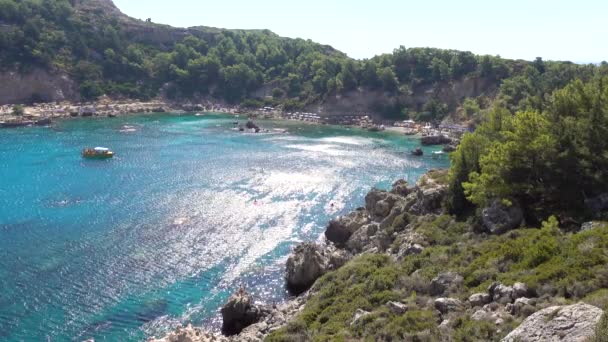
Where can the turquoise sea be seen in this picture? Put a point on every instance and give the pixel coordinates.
(127, 248)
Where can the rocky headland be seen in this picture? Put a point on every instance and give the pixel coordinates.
(396, 227)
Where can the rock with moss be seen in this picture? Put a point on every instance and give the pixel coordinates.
(573, 323)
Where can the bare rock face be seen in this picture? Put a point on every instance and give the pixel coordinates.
(305, 265)
(499, 218)
(340, 230)
(572, 323)
(37, 84)
(240, 312)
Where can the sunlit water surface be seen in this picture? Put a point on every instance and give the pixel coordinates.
(123, 249)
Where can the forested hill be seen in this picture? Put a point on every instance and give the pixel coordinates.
(81, 49)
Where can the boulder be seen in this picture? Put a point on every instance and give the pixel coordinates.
(447, 305)
(239, 312)
(340, 230)
(520, 290)
(523, 306)
(397, 308)
(479, 299)
(305, 265)
(444, 282)
(572, 323)
(501, 293)
(499, 218)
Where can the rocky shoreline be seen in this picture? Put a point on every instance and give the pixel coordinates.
(383, 226)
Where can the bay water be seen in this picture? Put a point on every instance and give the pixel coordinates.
(188, 210)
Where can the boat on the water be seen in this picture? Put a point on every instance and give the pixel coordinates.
(417, 152)
(97, 153)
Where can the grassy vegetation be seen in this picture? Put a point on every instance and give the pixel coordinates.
(559, 267)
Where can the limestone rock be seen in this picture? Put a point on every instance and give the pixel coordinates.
(340, 230)
(358, 315)
(501, 293)
(380, 203)
(305, 265)
(497, 218)
(572, 323)
(362, 238)
(397, 308)
(520, 290)
(239, 312)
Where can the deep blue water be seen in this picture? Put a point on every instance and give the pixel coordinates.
(122, 249)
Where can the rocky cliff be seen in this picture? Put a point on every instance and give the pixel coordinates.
(37, 85)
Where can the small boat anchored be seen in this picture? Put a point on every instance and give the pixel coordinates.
(417, 152)
(97, 153)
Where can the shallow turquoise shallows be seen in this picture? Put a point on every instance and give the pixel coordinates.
(188, 209)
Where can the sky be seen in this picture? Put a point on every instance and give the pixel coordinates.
(519, 29)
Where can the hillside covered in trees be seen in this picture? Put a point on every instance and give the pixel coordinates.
(105, 52)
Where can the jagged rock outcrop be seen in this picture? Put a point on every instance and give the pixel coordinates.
(380, 203)
(307, 263)
(340, 230)
(499, 218)
(240, 312)
(572, 323)
(428, 197)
